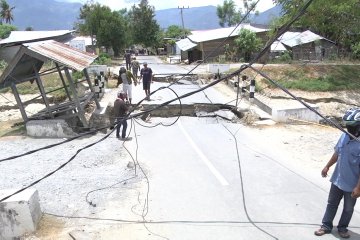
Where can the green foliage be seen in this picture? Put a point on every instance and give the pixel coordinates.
(247, 43)
(356, 50)
(177, 32)
(5, 30)
(76, 75)
(337, 78)
(228, 14)
(285, 57)
(103, 59)
(333, 19)
(145, 29)
(6, 12)
(108, 26)
(3, 65)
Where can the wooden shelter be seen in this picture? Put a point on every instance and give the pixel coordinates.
(26, 66)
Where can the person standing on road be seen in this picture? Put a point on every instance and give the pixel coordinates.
(147, 76)
(135, 66)
(127, 58)
(345, 181)
(120, 111)
(127, 77)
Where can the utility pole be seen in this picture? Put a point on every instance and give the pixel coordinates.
(182, 18)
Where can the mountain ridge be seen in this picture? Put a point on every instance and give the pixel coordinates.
(60, 15)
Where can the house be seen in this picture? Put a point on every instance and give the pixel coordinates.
(307, 45)
(207, 45)
(83, 43)
(11, 45)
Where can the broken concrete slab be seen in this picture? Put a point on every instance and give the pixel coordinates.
(52, 128)
(19, 214)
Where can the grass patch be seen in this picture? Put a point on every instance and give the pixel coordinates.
(320, 78)
(12, 128)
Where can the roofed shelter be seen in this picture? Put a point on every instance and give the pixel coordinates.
(26, 66)
(11, 45)
(209, 44)
(308, 45)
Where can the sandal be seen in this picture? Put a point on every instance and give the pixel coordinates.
(344, 234)
(322, 231)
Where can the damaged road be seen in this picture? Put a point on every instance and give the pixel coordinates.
(199, 178)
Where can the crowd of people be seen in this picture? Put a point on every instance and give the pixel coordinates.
(128, 76)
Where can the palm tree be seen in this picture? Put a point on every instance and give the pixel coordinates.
(6, 12)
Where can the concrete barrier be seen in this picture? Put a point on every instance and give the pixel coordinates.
(296, 113)
(19, 214)
(218, 68)
(53, 128)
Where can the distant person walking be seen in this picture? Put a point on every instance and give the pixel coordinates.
(345, 181)
(127, 58)
(147, 76)
(127, 78)
(120, 111)
(135, 66)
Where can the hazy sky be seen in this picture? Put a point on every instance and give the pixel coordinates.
(164, 4)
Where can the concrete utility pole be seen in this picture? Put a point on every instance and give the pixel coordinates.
(182, 18)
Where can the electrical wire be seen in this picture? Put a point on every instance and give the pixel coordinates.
(242, 187)
(243, 67)
(153, 222)
(57, 169)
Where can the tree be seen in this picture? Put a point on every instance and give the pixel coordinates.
(29, 28)
(6, 12)
(247, 43)
(111, 33)
(333, 19)
(145, 29)
(107, 26)
(228, 14)
(174, 31)
(5, 30)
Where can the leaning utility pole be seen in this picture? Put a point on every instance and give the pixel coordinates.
(182, 18)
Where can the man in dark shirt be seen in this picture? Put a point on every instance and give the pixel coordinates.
(127, 57)
(146, 74)
(120, 111)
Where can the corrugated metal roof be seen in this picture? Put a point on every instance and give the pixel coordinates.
(31, 56)
(86, 39)
(26, 36)
(185, 44)
(219, 33)
(293, 39)
(277, 46)
(61, 53)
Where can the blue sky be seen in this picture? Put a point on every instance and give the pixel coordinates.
(164, 4)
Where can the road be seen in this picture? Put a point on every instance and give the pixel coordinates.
(205, 185)
(196, 181)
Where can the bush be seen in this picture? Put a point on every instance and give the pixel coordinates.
(356, 50)
(103, 59)
(3, 64)
(285, 57)
(77, 75)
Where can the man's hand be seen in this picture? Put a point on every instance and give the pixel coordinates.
(324, 172)
(356, 192)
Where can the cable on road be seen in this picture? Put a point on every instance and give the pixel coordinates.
(125, 221)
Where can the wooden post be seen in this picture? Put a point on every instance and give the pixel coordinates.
(81, 113)
(19, 103)
(91, 87)
(43, 93)
(63, 81)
